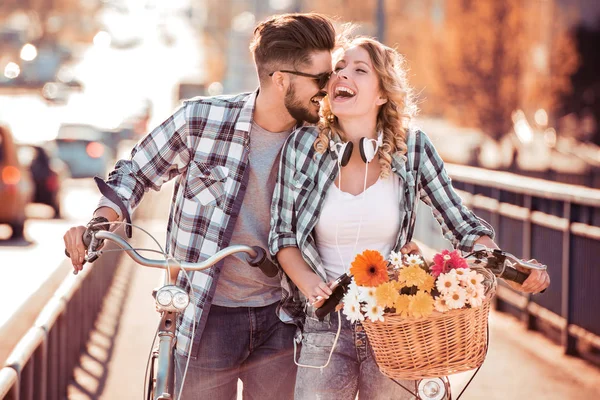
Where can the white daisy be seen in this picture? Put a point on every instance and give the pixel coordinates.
(461, 274)
(413, 259)
(476, 297)
(447, 283)
(474, 278)
(396, 259)
(352, 311)
(373, 312)
(440, 304)
(353, 294)
(367, 294)
(456, 298)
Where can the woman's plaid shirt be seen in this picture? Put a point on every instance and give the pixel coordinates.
(305, 175)
(205, 146)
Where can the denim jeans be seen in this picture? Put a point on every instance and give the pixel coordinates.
(251, 344)
(352, 368)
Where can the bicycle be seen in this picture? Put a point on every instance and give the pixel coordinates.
(500, 263)
(170, 300)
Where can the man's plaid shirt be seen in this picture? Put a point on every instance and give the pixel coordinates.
(305, 175)
(205, 145)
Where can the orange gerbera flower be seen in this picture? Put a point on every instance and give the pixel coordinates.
(369, 269)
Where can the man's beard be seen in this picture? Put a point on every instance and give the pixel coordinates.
(298, 111)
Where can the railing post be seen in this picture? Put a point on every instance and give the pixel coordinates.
(568, 341)
(9, 383)
(528, 318)
(26, 379)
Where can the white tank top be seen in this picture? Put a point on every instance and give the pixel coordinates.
(380, 212)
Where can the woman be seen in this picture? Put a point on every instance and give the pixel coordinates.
(331, 203)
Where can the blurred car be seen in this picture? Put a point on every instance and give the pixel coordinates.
(48, 173)
(82, 147)
(16, 185)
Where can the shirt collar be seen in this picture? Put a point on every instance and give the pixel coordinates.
(399, 165)
(244, 121)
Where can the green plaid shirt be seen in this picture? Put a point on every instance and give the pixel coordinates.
(305, 176)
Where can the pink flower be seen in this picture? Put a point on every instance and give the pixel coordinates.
(447, 260)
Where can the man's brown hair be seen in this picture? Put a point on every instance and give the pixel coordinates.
(289, 39)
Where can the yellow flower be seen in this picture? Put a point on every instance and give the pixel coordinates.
(421, 304)
(401, 305)
(428, 285)
(398, 284)
(412, 275)
(386, 294)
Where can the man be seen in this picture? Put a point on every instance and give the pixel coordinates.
(224, 152)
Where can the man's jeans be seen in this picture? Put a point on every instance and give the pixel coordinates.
(352, 367)
(247, 343)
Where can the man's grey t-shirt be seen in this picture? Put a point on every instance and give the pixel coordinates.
(239, 284)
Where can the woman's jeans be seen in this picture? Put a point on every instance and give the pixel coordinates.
(251, 344)
(352, 367)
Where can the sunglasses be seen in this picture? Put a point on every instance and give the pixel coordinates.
(321, 78)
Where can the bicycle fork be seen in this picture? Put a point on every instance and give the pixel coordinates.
(165, 382)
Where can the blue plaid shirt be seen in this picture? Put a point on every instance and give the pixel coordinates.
(305, 175)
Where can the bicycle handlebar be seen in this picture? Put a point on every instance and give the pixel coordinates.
(501, 263)
(256, 256)
(339, 290)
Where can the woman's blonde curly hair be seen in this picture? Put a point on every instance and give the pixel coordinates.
(394, 115)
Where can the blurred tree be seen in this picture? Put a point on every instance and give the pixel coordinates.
(584, 100)
(496, 57)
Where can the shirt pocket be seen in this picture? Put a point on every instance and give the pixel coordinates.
(206, 184)
(301, 186)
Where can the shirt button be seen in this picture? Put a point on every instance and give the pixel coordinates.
(359, 342)
(331, 177)
(359, 328)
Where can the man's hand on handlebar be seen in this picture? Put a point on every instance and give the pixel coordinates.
(537, 281)
(75, 247)
(78, 238)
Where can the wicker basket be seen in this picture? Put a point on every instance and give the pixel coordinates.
(438, 345)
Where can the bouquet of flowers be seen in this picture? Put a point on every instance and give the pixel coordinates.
(406, 286)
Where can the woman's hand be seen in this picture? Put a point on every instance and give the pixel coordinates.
(320, 293)
(411, 248)
(315, 290)
(537, 281)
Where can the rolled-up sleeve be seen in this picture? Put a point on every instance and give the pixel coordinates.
(459, 224)
(283, 220)
(160, 156)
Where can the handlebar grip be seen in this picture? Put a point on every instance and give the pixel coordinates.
(262, 261)
(330, 304)
(514, 275)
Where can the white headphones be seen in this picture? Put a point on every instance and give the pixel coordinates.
(368, 149)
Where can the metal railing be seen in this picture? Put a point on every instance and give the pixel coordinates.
(43, 361)
(555, 223)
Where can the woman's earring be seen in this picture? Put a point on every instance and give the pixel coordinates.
(331, 118)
